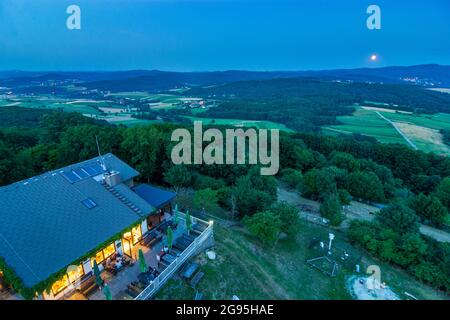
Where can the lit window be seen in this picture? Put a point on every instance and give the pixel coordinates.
(75, 274)
(98, 257)
(136, 234)
(60, 285)
(109, 250)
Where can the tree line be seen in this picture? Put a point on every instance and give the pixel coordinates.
(332, 170)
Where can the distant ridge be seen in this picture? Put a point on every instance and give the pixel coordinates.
(430, 75)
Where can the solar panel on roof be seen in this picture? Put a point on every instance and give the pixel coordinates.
(89, 203)
(71, 177)
(89, 170)
(97, 168)
(81, 173)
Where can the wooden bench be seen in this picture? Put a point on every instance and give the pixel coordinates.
(196, 279)
(198, 296)
(88, 285)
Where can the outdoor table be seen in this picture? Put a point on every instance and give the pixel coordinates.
(168, 258)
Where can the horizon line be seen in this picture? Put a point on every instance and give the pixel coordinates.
(225, 70)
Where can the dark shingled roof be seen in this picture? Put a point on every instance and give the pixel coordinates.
(44, 226)
(154, 196)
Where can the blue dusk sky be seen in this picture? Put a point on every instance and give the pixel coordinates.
(201, 35)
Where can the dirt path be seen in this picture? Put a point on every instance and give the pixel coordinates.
(436, 234)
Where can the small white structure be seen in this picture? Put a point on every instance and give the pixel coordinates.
(211, 255)
(331, 237)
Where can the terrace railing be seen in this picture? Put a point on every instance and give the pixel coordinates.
(165, 275)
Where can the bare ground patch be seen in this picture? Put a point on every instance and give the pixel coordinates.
(386, 110)
(425, 135)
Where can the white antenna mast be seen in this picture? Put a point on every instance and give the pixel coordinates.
(102, 162)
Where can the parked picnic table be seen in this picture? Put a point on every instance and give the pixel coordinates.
(168, 258)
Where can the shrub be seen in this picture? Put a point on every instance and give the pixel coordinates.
(331, 209)
(265, 225)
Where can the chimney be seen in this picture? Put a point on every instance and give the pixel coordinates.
(112, 178)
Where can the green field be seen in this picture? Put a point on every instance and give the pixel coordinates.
(130, 95)
(241, 123)
(168, 98)
(368, 123)
(245, 268)
(135, 122)
(53, 104)
(434, 121)
(422, 130)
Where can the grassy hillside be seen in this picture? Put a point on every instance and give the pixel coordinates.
(245, 268)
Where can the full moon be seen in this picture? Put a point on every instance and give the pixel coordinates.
(374, 57)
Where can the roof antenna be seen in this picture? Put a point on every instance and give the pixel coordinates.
(102, 161)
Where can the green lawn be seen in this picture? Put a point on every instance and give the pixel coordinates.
(251, 271)
(242, 123)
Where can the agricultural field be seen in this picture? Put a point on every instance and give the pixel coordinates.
(131, 122)
(110, 108)
(445, 90)
(368, 123)
(242, 123)
(247, 269)
(423, 130)
(50, 103)
(155, 100)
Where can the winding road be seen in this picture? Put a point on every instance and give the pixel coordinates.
(398, 130)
